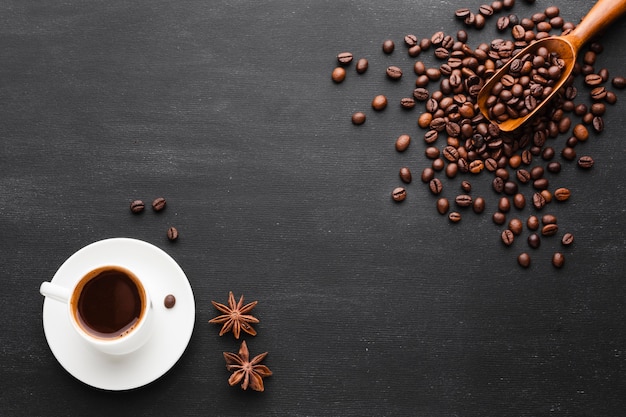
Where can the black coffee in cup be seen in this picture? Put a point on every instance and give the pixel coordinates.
(108, 302)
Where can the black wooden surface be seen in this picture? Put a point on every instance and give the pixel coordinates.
(226, 108)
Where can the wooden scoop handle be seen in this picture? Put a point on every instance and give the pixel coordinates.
(601, 15)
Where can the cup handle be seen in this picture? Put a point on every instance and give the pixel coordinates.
(56, 292)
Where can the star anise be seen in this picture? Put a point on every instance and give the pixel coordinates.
(235, 316)
(249, 372)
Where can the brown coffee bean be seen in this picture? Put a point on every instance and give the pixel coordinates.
(523, 176)
(454, 216)
(344, 57)
(137, 206)
(443, 205)
(619, 82)
(567, 239)
(539, 201)
(519, 201)
(534, 241)
(507, 237)
(407, 102)
(410, 40)
(405, 175)
(463, 200)
(402, 143)
(550, 229)
(548, 219)
(562, 194)
(532, 223)
(379, 102)
(339, 74)
(398, 194)
(478, 205)
(393, 72)
(435, 186)
(598, 124)
(172, 233)
(362, 65)
(428, 174)
(498, 218)
(358, 118)
(158, 204)
(504, 205)
(169, 301)
(523, 259)
(516, 226)
(585, 162)
(558, 260)
(388, 46)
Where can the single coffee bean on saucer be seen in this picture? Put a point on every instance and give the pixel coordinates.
(169, 301)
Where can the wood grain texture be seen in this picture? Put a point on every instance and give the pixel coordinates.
(227, 109)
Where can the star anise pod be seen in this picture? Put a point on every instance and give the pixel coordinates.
(249, 372)
(235, 316)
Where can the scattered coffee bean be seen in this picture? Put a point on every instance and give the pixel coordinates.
(398, 194)
(443, 205)
(463, 200)
(137, 206)
(585, 162)
(407, 102)
(388, 46)
(393, 72)
(158, 204)
(478, 205)
(379, 102)
(532, 222)
(523, 260)
(402, 143)
(508, 237)
(172, 233)
(358, 118)
(550, 229)
(435, 186)
(339, 74)
(534, 241)
(519, 201)
(405, 175)
(454, 217)
(562, 194)
(498, 218)
(169, 301)
(558, 260)
(619, 82)
(361, 65)
(567, 239)
(344, 57)
(516, 226)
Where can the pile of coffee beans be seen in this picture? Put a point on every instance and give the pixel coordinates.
(461, 141)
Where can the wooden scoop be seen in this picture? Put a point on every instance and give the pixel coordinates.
(599, 17)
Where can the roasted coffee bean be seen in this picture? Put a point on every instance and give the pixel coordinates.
(421, 94)
(435, 186)
(462, 13)
(137, 206)
(463, 200)
(619, 82)
(534, 241)
(504, 205)
(593, 80)
(562, 194)
(498, 218)
(510, 188)
(437, 38)
(558, 260)
(410, 40)
(554, 167)
(547, 195)
(523, 259)
(362, 65)
(598, 94)
(539, 201)
(502, 23)
(405, 175)
(598, 124)
(159, 204)
(432, 152)
(478, 205)
(580, 132)
(541, 183)
(388, 46)
(476, 167)
(454, 216)
(585, 162)
(402, 143)
(427, 174)
(548, 219)
(398, 194)
(568, 153)
(443, 205)
(567, 239)
(379, 102)
(507, 237)
(172, 233)
(550, 229)
(344, 57)
(466, 186)
(452, 170)
(358, 118)
(451, 153)
(523, 176)
(516, 226)
(532, 223)
(393, 72)
(169, 301)
(407, 102)
(498, 184)
(339, 74)
(485, 10)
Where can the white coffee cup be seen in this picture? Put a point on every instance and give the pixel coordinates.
(108, 307)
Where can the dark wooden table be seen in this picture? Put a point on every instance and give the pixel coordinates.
(367, 307)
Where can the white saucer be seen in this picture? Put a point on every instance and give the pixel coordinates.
(162, 276)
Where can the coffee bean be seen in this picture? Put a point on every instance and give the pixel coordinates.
(523, 176)
(362, 65)
(393, 72)
(619, 82)
(463, 200)
(502, 23)
(407, 102)
(548, 219)
(454, 216)
(498, 184)
(532, 223)
(344, 57)
(507, 237)
(598, 124)
(562, 194)
(137, 206)
(554, 167)
(339, 74)
(435, 186)
(462, 13)
(567, 239)
(466, 186)
(504, 205)
(158, 204)
(428, 174)
(388, 46)
(169, 301)
(534, 241)
(523, 259)
(568, 153)
(516, 226)
(550, 229)
(539, 201)
(593, 80)
(541, 183)
(402, 143)
(478, 205)
(410, 40)
(558, 260)
(405, 175)
(432, 152)
(519, 201)
(498, 218)
(443, 205)
(379, 102)
(585, 162)
(398, 194)
(358, 118)
(172, 233)
(421, 94)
